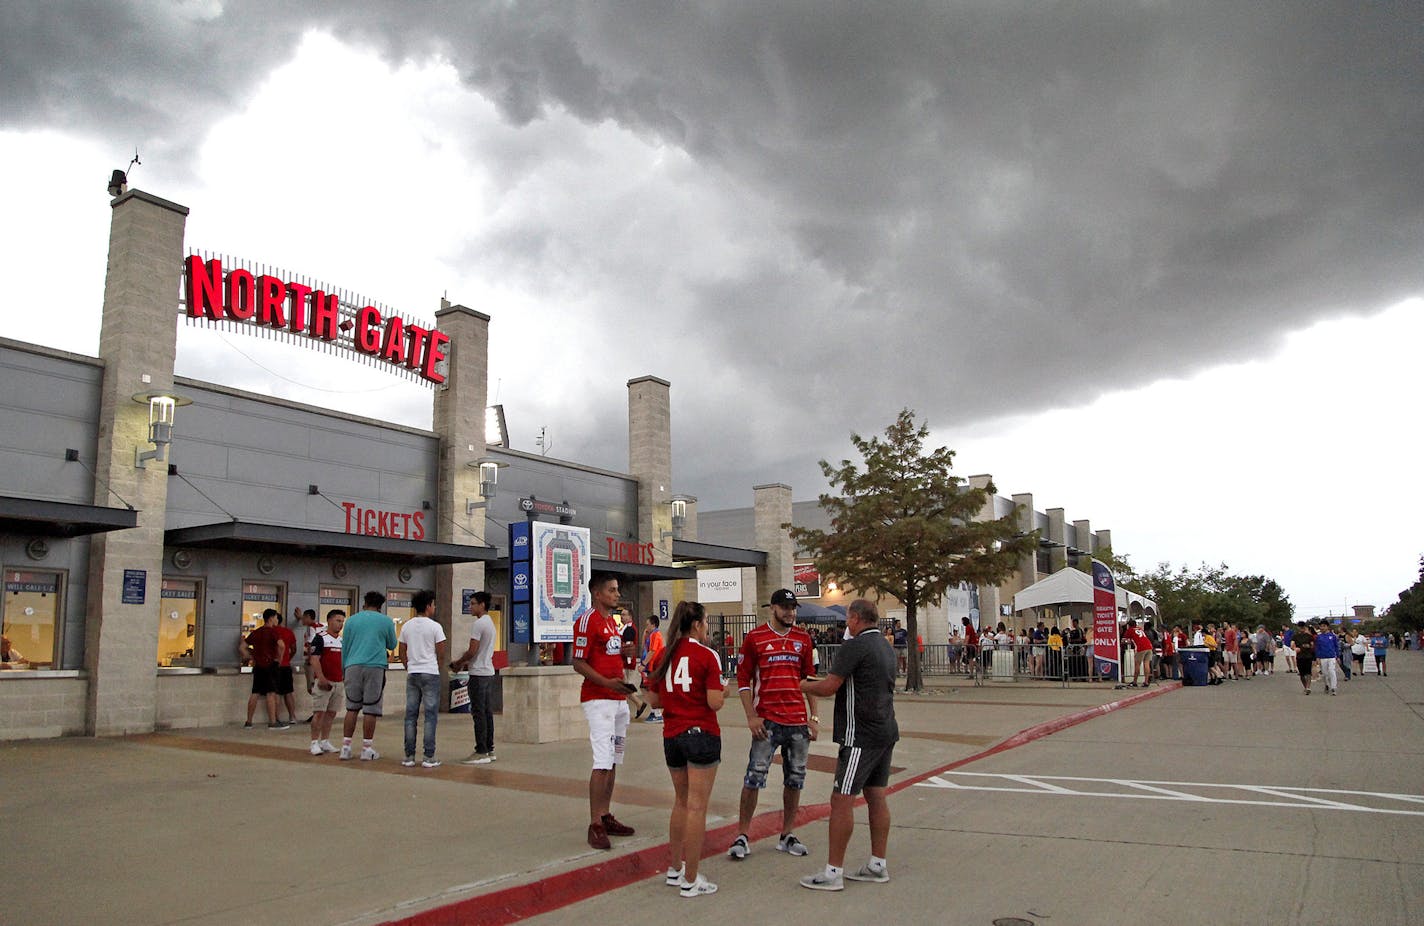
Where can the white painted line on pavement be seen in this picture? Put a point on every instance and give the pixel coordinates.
(1292, 796)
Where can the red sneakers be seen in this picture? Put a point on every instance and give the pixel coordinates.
(597, 837)
(614, 828)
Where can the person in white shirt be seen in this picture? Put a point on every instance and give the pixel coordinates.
(480, 660)
(422, 649)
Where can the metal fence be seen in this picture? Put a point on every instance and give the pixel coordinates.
(1015, 662)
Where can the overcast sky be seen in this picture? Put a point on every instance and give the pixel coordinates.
(1160, 264)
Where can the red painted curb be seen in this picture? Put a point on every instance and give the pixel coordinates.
(522, 901)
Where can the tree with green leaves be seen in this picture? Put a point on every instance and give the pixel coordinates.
(1211, 594)
(904, 526)
(1407, 613)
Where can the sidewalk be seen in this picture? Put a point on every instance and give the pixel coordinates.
(227, 826)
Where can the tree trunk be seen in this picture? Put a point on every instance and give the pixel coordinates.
(913, 681)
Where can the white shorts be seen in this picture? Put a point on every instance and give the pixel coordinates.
(1231, 658)
(607, 730)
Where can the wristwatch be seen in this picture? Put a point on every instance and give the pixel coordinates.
(815, 718)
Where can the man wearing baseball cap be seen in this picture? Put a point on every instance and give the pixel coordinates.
(775, 657)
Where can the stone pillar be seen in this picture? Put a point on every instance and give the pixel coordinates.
(1057, 556)
(988, 594)
(1083, 537)
(771, 517)
(137, 342)
(650, 462)
(459, 419)
(1028, 566)
(1104, 538)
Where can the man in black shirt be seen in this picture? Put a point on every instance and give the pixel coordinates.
(863, 680)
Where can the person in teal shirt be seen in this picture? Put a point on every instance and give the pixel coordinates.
(366, 642)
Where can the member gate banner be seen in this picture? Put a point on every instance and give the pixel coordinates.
(1105, 632)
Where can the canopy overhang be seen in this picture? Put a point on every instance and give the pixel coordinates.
(272, 538)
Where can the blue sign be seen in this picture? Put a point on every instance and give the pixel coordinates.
(521, 623)
(519, 541)
(662, 609)
(467, 595)
(135, 586)
(520, 581)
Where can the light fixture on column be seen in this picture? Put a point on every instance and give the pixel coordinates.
(679, 516)
(161, 406)
(489, 482)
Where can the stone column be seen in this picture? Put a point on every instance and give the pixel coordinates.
(137, 342)
(1104, 540)
(1083, 536)
(772, 510)
(1057, 556)
(988, 594)
(1028, 566)
(650, 462)
(459, 419)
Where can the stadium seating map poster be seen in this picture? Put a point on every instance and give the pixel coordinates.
(560, 561)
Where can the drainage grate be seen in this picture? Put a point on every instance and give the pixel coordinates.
(1013, 921)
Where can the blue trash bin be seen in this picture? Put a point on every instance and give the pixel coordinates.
(1194, 665)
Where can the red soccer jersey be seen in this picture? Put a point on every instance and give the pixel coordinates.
(290, 639)
(327, 649)
(971, 636)
(1140, 641)
(771, 667)
(598, 642)
(694, 671)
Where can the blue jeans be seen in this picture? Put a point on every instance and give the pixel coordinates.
(421, 690)
(482, 711)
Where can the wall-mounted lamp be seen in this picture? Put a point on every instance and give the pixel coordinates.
(831, 586)
(679, 516)
(161, 406)
(489, 482)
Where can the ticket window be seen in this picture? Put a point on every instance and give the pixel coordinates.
(30, 618)
(336, 598)
(399, 610)
(178, 623)
(258, 597)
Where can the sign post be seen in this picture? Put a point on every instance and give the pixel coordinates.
(1106, 651)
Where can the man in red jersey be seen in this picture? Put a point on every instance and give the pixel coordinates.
(1142, 653)
(598, 657)
(775, 657)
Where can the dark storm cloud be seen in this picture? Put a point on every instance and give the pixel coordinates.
(996, 206)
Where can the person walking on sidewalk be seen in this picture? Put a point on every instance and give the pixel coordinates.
(652, 652)
(631, 675)
(1379, 641)
(328, 691)
(862, 678)
(598, 657)
(1327, 656)
(479, 658)
(264, 647)
(367, 641)
(1303, 642)
(687, 686)
(776, 656)
(422, 649)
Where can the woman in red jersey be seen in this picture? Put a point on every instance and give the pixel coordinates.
(687, 685)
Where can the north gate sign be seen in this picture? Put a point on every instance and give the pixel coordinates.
(293, 309)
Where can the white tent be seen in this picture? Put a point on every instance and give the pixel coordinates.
(1070, 586)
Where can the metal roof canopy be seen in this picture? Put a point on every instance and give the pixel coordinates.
(711, 555)
(61, 519)
(272, 538)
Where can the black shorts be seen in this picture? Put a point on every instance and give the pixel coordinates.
(264, 679)
(694, 748)
(859, 767)
(1304, 664)
(284, 680)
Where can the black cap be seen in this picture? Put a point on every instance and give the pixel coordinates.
(783, 597)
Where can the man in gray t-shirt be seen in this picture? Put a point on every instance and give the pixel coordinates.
(862, 678)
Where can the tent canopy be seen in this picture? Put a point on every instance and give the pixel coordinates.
(815, 614)
(1069, 586)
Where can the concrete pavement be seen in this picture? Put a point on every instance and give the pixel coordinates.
(230, 826)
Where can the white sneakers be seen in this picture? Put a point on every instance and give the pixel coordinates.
(674, 876)
(316, 748)
(430, 763)
(820, 881)
(791, 845)
(478, 758)
(345, 752)
(368, 753)
(698, 888)
(408, 761)
(740, 848)
(866, 873)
